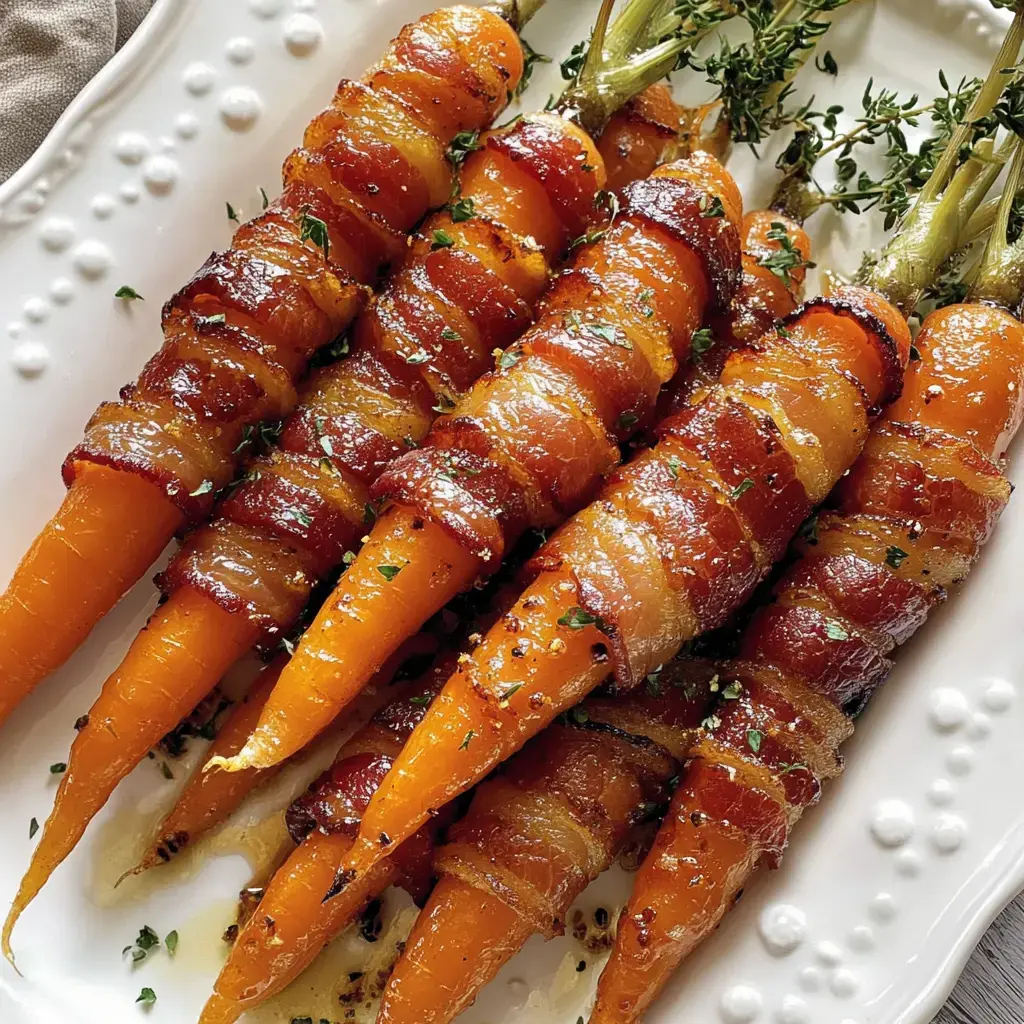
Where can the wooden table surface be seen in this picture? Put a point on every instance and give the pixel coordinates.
(991, 989)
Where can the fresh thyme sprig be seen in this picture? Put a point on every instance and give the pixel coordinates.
(883, 121)
(754, 79)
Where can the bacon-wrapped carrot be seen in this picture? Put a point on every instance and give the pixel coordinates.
(527, 444)
(680, 537)
(292, 923)
(536, 835)
(526, 447)
(239, 335)
(902, 528)
(249, 573)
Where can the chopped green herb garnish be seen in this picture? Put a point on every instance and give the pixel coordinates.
(700, 342)
(754, 738)
(127, 292)
(421, 701)
(171, 942)
(511, 691)
(468, 738)
(59, 768)
(232, 215)
(674, 465)
(741, 488)
(441, 240)
(447, 334)
(348, 558)
(577, 618)
(711, 206)
(264, 198)
(787, 258)
(732, 690)
(628, 420)
(711, 723)
(508, 359)
(147, 997)
(417, 357)
(461, 209)
(894, 556)
(204, 488)
(33, 828)
(461, 146)
(214, 318)
(531, 58)
(315, 230)
(389, 572)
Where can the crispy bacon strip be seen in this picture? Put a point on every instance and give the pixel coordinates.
(239, 336)
(536, 835)
(527, 445)
(677, 540)
(906, 524)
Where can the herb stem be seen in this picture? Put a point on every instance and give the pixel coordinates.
(516, 12)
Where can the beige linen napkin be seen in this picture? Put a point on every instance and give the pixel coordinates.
(49, 49)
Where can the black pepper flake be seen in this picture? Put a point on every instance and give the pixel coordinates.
(385, 839)
(601, 917)
(230, 933)
(370, 923)
(581, 966)
(81, 722)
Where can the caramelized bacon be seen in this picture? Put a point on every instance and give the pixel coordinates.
(537, 834)
(430, 334)
(682, 535)
(612, 330)
(240, 334)
(907, 522)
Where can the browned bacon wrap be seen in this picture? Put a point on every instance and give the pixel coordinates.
(537, 834)
(241, 333)
(427, 337)
(527, 446)
(904, 525)
(683, 534)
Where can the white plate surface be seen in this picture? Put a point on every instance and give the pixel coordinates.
(130, 188)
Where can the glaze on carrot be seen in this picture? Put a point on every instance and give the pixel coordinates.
(528, 443)
(240, 335)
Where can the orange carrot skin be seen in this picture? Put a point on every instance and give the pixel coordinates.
(537, 834)
(241, 333)
(636, 138)
(529, 442)
(908, 522)
(637, 564)
(72, 576)
(138, 704)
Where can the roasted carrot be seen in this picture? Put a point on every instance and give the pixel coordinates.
(905, 525)
(138, 704)
(240, 334)
(679, 538)
(209, 797)
(537, 834)
(529, 442)
(72, 575)
(266, 957)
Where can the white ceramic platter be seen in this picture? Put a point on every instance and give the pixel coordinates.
(199, 110)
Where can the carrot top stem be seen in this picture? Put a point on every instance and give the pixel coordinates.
(999, 278)
(948, 199)
(517, 12)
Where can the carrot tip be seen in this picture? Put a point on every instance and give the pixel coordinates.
(219, 1010)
